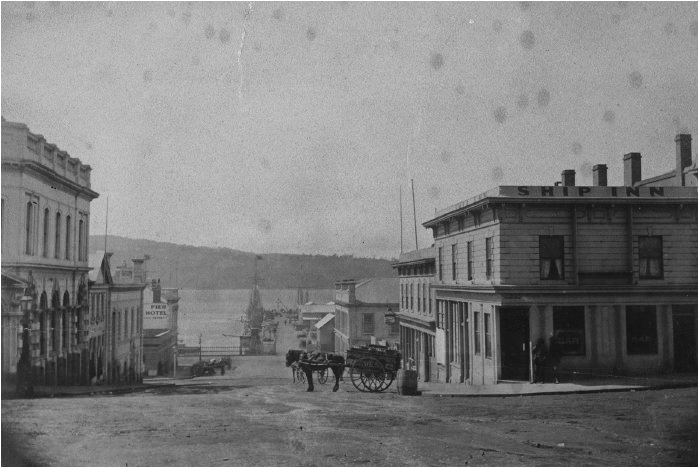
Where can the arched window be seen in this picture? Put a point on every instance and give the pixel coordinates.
(47, 220)
(66, 330)
(42, 331)
(29, 249)
(81, 245)
(67, 237)
(57, 245)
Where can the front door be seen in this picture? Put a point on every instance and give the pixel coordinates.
(684, 339)
(514, 347)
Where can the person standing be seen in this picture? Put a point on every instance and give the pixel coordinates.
(554, 357)
(539, 355)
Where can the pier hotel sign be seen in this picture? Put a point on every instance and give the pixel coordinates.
(155, 316)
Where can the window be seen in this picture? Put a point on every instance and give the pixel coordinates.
(650, 250)
(81, 237)
(402, 296)
(470, 260)
(454, 257)
(429, 299)
(419, 298)
(367, 325)
(29, 248)
(489, 252)
(57, 245)
(440, 315)
(424, 297)
(488, 335)
(551, 252)
(461, 223)
(67, 238)
(411, 296)
(447, 228)
(395, 328)
(569, 330)
(441, 267)
(47, 220)
(476, 332)
(641, 329)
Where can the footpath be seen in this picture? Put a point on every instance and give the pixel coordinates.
(271, 370)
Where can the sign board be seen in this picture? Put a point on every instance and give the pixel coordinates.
(156, 316)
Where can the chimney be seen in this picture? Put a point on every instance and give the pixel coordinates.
(138, 270)
(156, 291)
(632, 169)
(568, 178)
(600, 172)
(683, 156)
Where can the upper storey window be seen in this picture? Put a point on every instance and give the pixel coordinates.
(650, 250)
(551, 250)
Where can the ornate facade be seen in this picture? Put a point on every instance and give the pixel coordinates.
(46, 199)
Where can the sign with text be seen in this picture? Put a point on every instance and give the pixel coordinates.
(155, 316)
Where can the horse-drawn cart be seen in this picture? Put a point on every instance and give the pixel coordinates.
(373, 368)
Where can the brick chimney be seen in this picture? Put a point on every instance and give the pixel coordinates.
(683, 156)
(156, 290)
(138, 270)
(600, 172)
(632, 166)
(568, 178)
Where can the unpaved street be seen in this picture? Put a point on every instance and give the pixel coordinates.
(267, 421)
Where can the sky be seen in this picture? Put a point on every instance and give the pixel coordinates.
(295, 127)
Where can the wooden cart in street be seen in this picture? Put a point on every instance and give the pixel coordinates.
(372, 368)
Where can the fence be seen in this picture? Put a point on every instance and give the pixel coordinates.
(209, 352)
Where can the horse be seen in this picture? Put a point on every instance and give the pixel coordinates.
(309, 363)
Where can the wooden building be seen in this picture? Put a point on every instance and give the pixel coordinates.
(611, 272)
(360, 308)
(416, 315)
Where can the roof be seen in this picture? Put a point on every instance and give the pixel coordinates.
(313, 308)
(425, 255)
(378, 290)
(325, 320)
(567, 195)
(100, 270)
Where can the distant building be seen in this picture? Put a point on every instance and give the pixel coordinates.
(360, 308)
(324, 334)
(160, 329)
(416, 313)
(46, 197)
(115, 323)
(610, 272)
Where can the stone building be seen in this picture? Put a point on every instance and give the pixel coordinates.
(116, 321)
(46, 197)
(360, 308)
(160, 329)
(416, 314)
(610, 272)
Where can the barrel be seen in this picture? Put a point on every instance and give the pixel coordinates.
(407, 382)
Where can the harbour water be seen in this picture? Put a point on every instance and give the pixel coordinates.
(216, 314)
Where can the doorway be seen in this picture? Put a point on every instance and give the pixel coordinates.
(514, 338)
(684, 325)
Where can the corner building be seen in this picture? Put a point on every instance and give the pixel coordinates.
(611, 272)
(46, 199)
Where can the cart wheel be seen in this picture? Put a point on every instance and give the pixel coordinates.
(372, 374)
(355, 375)
(322, 376)
(389, 377)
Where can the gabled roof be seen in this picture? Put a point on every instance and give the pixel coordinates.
(100, 269)
(327, 318)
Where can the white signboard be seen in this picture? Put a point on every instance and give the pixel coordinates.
(155, 316)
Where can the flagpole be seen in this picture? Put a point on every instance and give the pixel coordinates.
(414, 212)
(401, 243)
(106, 224)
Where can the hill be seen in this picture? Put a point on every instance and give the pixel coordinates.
(194, 267)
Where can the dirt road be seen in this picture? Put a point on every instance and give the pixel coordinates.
(268, 421)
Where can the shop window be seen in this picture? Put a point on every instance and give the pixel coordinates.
(641, 329)
(551, 252)
(569, 330)
(650, 250)
(476, 332)
(368, 324)
(488, 335)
